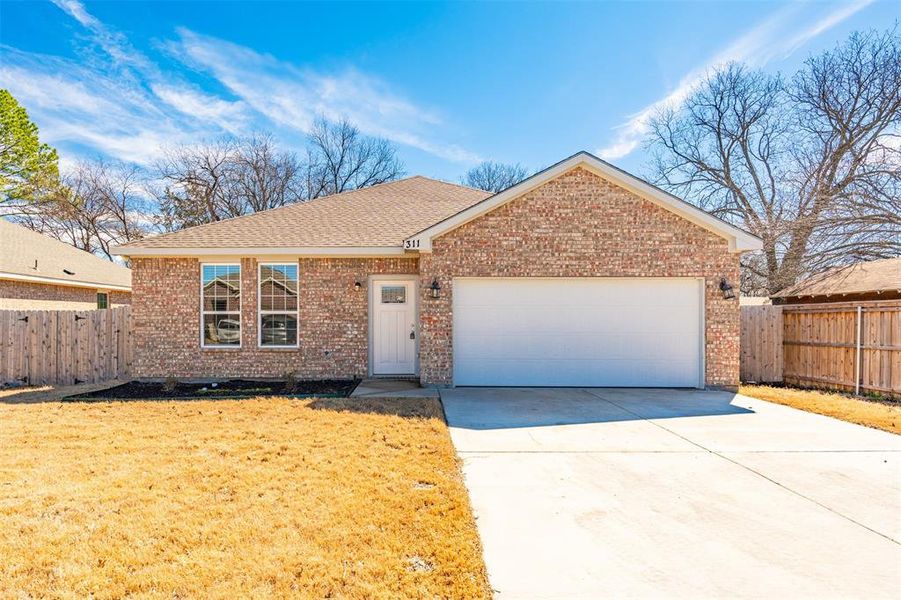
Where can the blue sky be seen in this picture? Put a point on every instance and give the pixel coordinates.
(450, 84)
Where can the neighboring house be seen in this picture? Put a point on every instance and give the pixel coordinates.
(580, 275)
(38, 272)
(873, 280)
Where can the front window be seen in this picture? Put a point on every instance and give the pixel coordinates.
(278, 305)
(102, 300)
(220, 296)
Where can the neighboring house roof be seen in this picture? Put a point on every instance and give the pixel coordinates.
(234, 285)
(388, 218)
(874, 276)
(359, 221)
(739, 240)
(288, 286)
(26, 255)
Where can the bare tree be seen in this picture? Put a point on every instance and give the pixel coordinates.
(810, 165)
(196, 180)
(340, 158)
(494, 177)
(225, 178)
(264, 177)
(231, 177)
(99, 205)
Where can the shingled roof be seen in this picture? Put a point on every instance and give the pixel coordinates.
(26, 255)
(381, 216)
(877, 276)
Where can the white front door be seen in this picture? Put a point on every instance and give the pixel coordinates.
(394, 332)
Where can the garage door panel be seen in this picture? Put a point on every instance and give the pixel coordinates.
(578, 332)
(545, 292)
(648, 346)
(635, 346)
(559, 320)
(580, 373)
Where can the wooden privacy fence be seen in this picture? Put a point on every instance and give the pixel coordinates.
(65, 346)
(848, 346)
(761, 343)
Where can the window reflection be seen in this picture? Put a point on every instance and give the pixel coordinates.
(221, 305)
(278, 304)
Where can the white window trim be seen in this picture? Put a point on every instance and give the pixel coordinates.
(214, 312)
(261, 312)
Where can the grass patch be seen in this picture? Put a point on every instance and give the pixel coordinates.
(881, 415)
(258, 498)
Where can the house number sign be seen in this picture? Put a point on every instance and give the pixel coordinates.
(411, 244)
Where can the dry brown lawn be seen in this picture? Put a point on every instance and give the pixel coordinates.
(863, 412)
(255, 498)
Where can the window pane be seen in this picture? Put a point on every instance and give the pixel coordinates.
(278, 330)
(222, 287)
(222, 330)
(102, 300)
(278, 287)
(394, 294)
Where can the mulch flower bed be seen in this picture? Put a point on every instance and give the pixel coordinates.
(236, 388)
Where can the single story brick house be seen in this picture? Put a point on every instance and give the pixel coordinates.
(581, 275)
(38, 272)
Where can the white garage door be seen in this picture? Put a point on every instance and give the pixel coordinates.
(641, 332)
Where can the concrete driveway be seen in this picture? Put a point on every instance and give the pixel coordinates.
(593, 493)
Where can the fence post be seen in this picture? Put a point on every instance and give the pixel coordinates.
(857, 354)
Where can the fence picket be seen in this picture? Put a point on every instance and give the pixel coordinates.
(816, 345)
(761, 355)
(52, 347)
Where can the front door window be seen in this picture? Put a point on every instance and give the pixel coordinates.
(394, 336)
(394, 294)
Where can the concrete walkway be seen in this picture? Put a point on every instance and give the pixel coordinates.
(600, 493)
(392, 388)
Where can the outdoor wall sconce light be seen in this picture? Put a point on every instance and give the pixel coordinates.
(435, 288)
(726, 288)
(358, 286)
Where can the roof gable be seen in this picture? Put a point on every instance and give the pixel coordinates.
(739, 240)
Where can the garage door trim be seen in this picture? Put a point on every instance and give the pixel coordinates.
(702, 344)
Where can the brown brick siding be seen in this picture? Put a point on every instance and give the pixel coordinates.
(23, 295)
(575, 226)
(579, 225)
(333, 322)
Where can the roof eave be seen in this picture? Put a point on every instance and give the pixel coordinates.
(64, 282)
(296, 251)
(817, 293)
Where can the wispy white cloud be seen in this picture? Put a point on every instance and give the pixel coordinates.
(118, 102)
(774, 39)
(115, 44)
(292, 97)
(87, 112)
(78, 12)
(195, 103)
